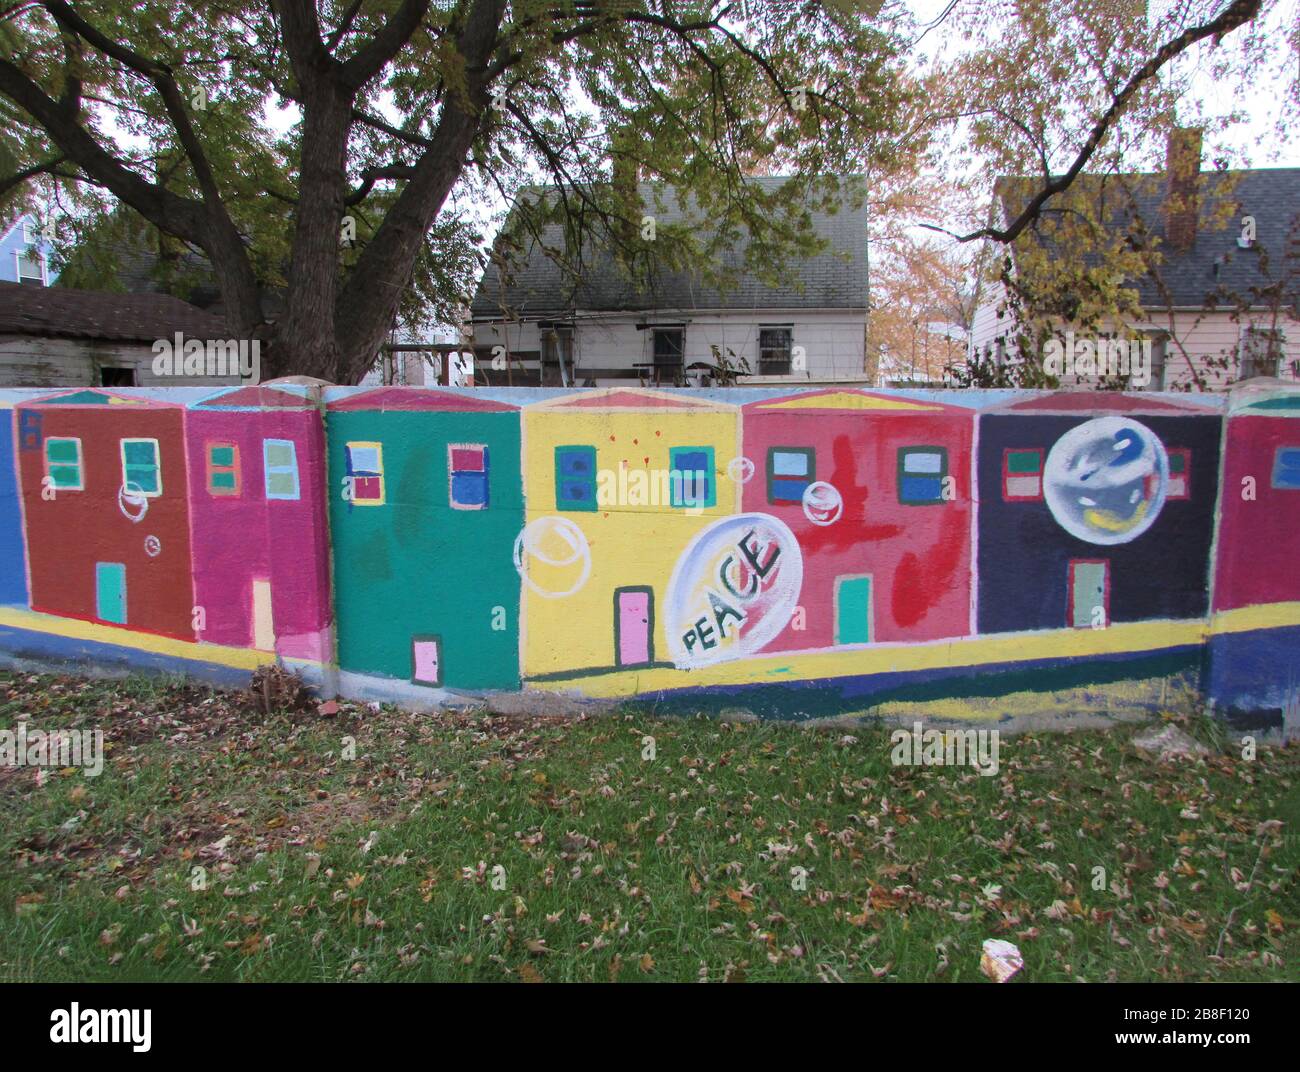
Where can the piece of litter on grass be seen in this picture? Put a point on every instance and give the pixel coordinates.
(1000, 960)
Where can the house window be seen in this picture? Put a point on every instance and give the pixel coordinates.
(141, 471)
(921, 475)
(774, 347)
(575, 478)
(789, 471)
(467, 465)
(63, 464)
(116, 376)
(1180, 474)
(29, 233)
(366, 472)
(31, 269)
(223, 469)
(1286, 468)
(692, 476)
(1260, 351)
(280, 459)
(669, 345)
(1022, 474)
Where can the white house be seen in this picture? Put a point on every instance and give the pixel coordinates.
(1224, 303)
(543, 327)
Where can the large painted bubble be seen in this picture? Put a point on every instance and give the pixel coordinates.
(1105, 480)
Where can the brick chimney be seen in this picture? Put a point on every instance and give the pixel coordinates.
(1183, 167)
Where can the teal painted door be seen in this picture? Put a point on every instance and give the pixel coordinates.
(853, 610)
(110, 592)
(1089, 594)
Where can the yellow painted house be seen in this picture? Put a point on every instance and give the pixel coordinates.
(616, 484)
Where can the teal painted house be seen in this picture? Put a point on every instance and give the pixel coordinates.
(426, 500)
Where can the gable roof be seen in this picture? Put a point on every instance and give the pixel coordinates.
(842, 400)
(1271, 195)
(418, 398)
(94, 396)
(1087, 402)
(255, 398)
(623, 398)
(537, 287)
(65, 313)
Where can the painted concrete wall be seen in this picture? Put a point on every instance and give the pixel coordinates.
(797, 553)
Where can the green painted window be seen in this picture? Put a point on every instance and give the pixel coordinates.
(281, 461)
(141, 470)
(63, 464)
(223, 469)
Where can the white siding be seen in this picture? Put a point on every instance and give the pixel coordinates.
(37, 362)
(832, 340)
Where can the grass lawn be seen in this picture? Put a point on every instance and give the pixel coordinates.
(220, 843)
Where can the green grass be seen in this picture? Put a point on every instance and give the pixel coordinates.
(619, 867)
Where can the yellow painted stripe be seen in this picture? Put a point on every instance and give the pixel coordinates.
(1265, 616)
(892, 658)
(849, 400)
(75, 629)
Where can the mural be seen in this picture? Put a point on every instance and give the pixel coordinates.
(797, 552)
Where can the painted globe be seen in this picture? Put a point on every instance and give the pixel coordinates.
(1105, 480)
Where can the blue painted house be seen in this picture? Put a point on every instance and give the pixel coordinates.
(24, 254)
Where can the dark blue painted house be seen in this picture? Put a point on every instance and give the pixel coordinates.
(1094, 508)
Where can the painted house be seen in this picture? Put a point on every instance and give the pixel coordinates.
(1095, 507)
(534, 322)
(257, 499)
(608, 522)
(1254, 659)
(425, 504)
(877, 491)
(106, 509)
(13, 553)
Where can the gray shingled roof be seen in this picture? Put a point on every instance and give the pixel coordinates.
(65, 313)
(1271, 195)
(538, 287)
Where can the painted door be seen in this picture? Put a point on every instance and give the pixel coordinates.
(263, 622)
(1089, 594)
(634, 626)
(110, 592)
(853, 610)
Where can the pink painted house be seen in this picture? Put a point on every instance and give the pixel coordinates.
(259, 534)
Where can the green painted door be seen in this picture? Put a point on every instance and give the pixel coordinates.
(853, 610)
(110, 592)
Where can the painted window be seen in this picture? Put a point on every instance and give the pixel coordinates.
(366, 469)
(63, 464)
(1022, 474)
(789, 471)
(1286, 468)
(141, 471)
(1180, 474)
(695, 486)
(467, 466)
(223, 469)
(575, 478)
(921, 473)
(280, 459)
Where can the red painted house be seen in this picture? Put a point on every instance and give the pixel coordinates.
(877, 491)
(106, 508)
(1258, 558)
(261, 553)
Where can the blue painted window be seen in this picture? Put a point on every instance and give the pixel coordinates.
(1286, 468)
(921, 472)
(695, 485)
(789, 471)
(575, 478)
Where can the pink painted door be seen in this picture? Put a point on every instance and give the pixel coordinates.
(634, 626)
